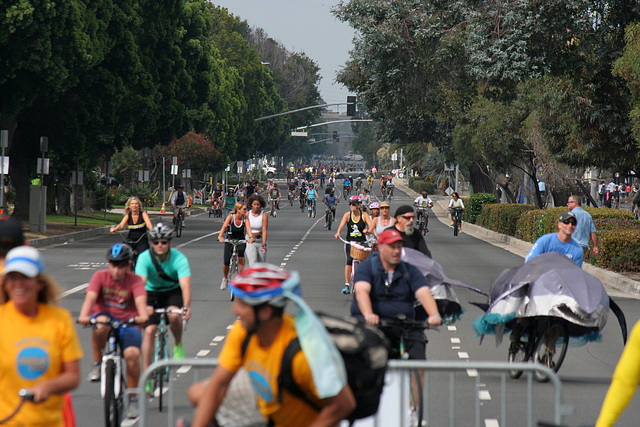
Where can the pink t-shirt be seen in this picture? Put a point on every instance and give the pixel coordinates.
(116, 298)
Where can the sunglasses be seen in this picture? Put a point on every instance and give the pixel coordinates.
(408, 217)
(157, 242)
(354, 204)
(385, 207)
(570, 222)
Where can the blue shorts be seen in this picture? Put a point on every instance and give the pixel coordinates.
(129, 335)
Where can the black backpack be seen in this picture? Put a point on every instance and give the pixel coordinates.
(365, 351)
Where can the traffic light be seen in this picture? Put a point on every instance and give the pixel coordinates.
(335, 135)
(351, 105)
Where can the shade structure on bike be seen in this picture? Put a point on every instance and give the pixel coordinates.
(548, 285)
(440, 285)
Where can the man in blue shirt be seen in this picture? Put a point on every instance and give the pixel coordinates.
(560, 242)
(585, 227)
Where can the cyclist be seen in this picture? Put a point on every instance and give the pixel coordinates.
(358, 224)
(365, 198)
(404, 225)
(331, 200)
(229, 201)
(323, 176)
(138, 223)
(167, 277)
(39, 344)
(312, 196)
(274, 196)
(346, 186)
(257, 230)
(293, 186)
(389, 185)
(423, 202)
(383, 221)
(261, 293)
(216, 197)
(358, 185)
(235, 228)
(375, 211)
(386, 286)
(369, 182)
(455, 202)
(118, 293)
(178, 202)
(383, 187)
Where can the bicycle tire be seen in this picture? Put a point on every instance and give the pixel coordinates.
(330, 219)
(354, 265)
(314, 210)
(233, 269)
(517, 353)
(309, 211)
(455, 227)
(418, 403)
(179, 226)
(556, 333)
(161, 372)
(112, 404)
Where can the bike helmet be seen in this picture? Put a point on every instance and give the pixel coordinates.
(355, 199)
(374, 205)
(160, 231)
(260, 284)
(119, 252)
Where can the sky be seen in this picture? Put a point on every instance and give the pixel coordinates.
(303, 26)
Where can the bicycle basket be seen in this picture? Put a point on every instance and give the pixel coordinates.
(359, 254)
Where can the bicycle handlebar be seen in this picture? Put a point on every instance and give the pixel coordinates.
(404, 323)
(235, 242)
(26, 394)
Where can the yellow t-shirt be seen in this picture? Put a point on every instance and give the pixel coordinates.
(624, 381)
(263, 366)
(33, 350)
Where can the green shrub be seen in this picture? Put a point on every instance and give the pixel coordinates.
(420, 186)
(473, 205)
(530, 225)
(502, 217)
(618, 250)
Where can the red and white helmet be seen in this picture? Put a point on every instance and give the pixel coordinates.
(262, 283)
(355, 199)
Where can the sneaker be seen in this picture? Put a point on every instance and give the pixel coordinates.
(95, 373)
(148, 389)
(223, 285)
(426, 230)
(345, 290)
(178, 352)
(451, 224)
(413, 418)
(132, 407)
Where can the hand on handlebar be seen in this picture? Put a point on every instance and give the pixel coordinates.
(434, 320)
(372, 319)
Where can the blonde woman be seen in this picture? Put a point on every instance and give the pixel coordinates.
(40, 348)
(138, 223)
(234, 228)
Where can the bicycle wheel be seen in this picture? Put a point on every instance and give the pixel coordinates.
(517, 353)
(551, 347)
(112, 404)
(233, 270)
(314, 210)
(329, 219)
(160, 377)
(309, 211)
(179, 226)
(354, 265)
(417, 400)
(456, 224)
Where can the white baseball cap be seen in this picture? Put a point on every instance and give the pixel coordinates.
(24, 259)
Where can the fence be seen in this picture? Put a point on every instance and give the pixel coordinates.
(396, 392)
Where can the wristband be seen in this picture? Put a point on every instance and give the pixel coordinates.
(435, 314)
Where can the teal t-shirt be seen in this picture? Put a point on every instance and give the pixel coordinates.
(176, 267)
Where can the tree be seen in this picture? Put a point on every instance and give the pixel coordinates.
(198, 152)
(125, 163)
(628, 67)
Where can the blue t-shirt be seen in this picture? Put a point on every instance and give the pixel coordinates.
(584, 228)
(346, 182)
(396, 298)
(312, 194)
(176, 267)
(551, 243)
(331, 200)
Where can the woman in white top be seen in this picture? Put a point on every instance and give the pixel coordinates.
(383, 221)
(455, 202)
(366, 199)
(257, 232)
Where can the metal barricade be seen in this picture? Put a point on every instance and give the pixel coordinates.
(396, 395)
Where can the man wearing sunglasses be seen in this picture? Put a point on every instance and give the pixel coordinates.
(167, 277)
(560, 242)
(405, 217)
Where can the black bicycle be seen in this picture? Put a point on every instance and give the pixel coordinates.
(421, 224)
(179, 222)
(234, 264)
(328, 216)
(542, 339)
(25, 395)
(456, 213)
(405, 327)
(124, 235)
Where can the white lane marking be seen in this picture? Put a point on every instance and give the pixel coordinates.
(203, 353)
(484, 395)
(183, 369)
(463, 355)
(452, 328)
(218, 338)
(455, 347)
(472, 372)
(455, 340)
(196, 239)
(73, 290)
(491, 422)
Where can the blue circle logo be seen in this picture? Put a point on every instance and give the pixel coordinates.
(261, 386)
(32, 363)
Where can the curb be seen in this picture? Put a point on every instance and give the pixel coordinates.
(86, 234)
(608, 278)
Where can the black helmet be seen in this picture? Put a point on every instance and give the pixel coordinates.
(160, 231)
(119, 252)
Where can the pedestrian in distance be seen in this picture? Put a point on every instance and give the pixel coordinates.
(585, 227)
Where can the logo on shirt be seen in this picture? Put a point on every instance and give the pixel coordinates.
(32, 363)
(261, 386)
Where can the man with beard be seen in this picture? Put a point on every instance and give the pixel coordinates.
(405, 218)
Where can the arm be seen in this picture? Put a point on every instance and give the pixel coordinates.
(265, 225)
(67, 380)
(363, 298)
(147, 220)
(89, 302)
(374, 223)
(212, 397)
(343, 222)
(141, 306)
(426, 299)
(595, 243)
(335, 408)
(247, 226)
(121, 225)
(185, 286)
(224, 227)
(367, 220)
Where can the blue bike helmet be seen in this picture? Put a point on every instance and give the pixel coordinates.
(119, 252)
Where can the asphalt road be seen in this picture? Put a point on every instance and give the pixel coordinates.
(303, 244)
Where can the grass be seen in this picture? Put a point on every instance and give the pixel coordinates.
(93, 219)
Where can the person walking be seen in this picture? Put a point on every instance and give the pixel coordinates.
(585, 227)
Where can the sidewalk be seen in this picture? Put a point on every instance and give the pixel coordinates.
(613, 282)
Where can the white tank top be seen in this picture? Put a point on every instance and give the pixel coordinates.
(255, 222)
(380, 228)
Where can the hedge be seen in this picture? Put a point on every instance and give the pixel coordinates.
(473, 205)
(619, 250)
(417, 185)
(502, 217)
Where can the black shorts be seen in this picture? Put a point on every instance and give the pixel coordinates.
(163, 300)
(228, 251)
(415, 344)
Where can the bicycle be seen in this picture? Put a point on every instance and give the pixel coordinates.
(422, 217)
(302, 201)
(161, 352)
(390, 192)
(359, 252)
(179, 222)
(113, 382)
(328, 216)
(383, 192)
(234, 265)
(456, 213)
(25, 395)
(133, 244)
(273, 212)
(541, 339)
(405, 327)
(311, 207)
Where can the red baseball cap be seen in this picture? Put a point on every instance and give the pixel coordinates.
(389, 236)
